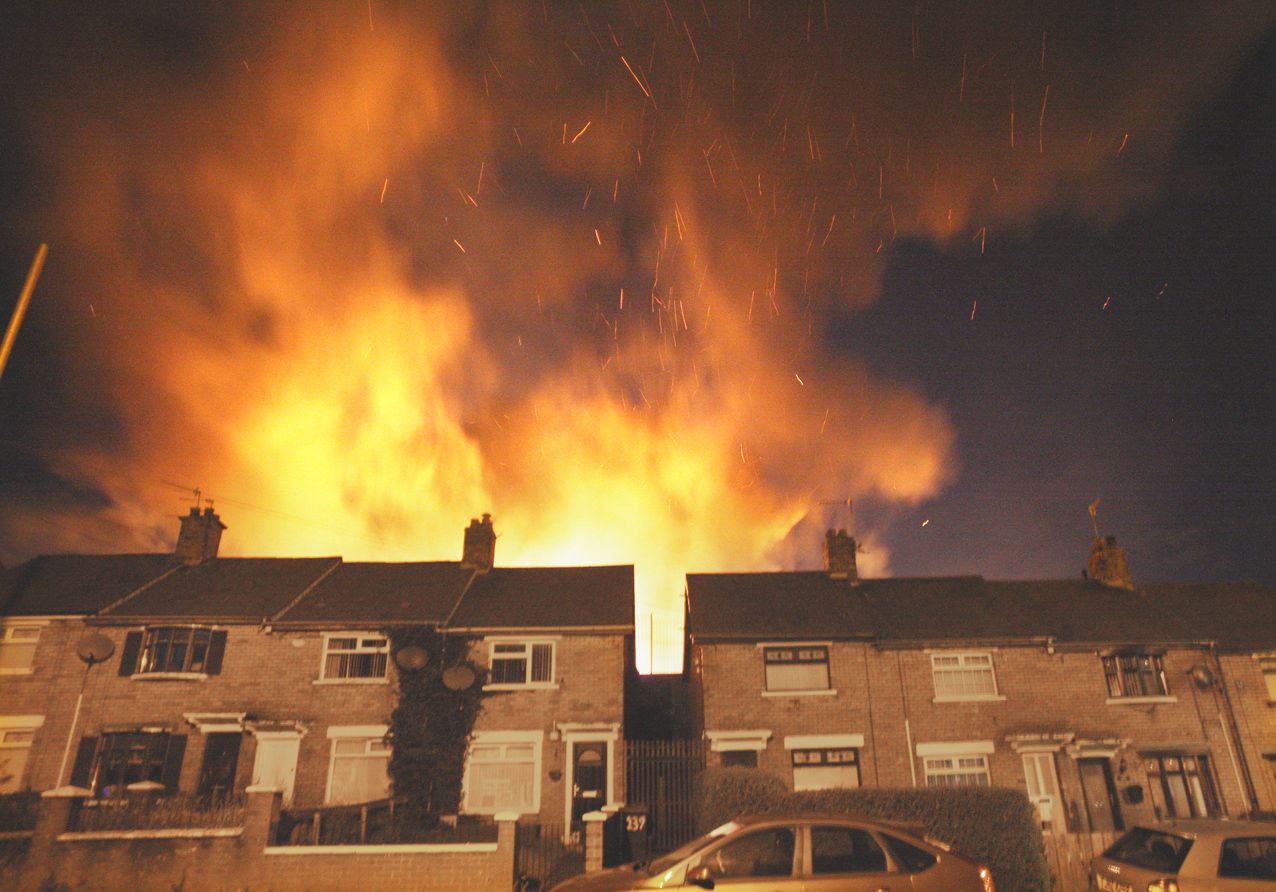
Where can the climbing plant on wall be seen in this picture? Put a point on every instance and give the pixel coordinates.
(431, 725)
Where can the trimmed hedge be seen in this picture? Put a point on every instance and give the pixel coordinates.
(994, 825)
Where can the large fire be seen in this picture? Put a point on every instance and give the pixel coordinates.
(377, 277)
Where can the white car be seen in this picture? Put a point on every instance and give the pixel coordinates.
(1197, 855)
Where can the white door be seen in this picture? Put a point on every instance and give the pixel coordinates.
(1043, 790)
(276, 763)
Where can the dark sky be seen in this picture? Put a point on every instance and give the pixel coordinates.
(971, 267)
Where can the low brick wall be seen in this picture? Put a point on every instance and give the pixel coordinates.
(238, 858)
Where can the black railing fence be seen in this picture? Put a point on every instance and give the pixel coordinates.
(546, 854)
(375, 823)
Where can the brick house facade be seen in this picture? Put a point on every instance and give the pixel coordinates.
(1107, 703)
(224, 672)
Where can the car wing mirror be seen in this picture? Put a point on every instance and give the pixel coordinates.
(700, 876)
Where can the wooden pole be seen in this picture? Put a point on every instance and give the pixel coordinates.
(20, 310)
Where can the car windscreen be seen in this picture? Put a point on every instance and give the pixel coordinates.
(1151, 849)
(664, 862)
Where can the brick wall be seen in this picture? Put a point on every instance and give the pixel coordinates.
(878, 690)
(271, 676)
(195, 863)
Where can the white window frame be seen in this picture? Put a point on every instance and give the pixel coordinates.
(827, 646)
(954, 751)
(367, 733)
(7, 639)
(528, 643)
(359, 648)
(1267, 667)
(967, 661)
(502, 739)
(11, 724)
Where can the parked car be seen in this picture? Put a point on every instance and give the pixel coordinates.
(1197, 855)
(809, 852)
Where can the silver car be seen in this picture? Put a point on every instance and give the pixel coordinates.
(1197, 855)
(799, 853)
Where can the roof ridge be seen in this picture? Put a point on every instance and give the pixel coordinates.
(137, 591)
(336, 562)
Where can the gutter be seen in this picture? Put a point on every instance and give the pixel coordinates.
(1247, 785)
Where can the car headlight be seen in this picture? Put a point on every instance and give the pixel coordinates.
(985, 876)
(1165, 884)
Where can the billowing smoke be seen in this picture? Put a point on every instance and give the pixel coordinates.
(362, 272)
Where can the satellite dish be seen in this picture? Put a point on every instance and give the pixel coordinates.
(414, 656)
(94, 648)
(1202, 677)
(458, 678)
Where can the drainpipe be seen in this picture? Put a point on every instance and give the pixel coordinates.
(1231, 731)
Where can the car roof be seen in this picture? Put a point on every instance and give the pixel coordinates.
(835, 817)
(1197, 827)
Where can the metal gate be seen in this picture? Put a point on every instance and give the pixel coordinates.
(661, 774)
(545, 855)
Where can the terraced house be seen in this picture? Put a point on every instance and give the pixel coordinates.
(1108, 702)
(226, 672)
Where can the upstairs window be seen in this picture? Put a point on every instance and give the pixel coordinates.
(1268, 665)
(1135, 675)
(355, 656)
(173, 650)
(17, 648)
(522, 662)
(963, 676)
(796, 668)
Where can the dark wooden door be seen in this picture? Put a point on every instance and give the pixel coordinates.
(1100, 795)
(221, 758)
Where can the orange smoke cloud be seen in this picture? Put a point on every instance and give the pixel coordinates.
(343, 288)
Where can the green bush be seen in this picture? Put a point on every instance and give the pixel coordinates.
(995, 826)
(725, 793)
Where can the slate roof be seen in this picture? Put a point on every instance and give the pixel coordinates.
(226, 588)
(757, 606)
(376, 592)
(75, 584)
(549, 597)
(318, 591)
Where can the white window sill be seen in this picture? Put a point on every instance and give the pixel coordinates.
(169, 676)
(381, 680)
(819, 692)
(534, 686)
(971, 698)
(1137, 701)
(12, 671)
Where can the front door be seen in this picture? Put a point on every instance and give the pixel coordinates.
(1043, 790)
(276, 763)
(589, 778)
(221, 757)
(1100, 795)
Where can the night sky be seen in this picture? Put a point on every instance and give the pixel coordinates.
(356, 270)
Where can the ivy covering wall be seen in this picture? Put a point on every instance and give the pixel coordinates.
(431, 725)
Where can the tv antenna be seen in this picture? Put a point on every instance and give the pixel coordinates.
(1094, 516)
(197, 495)
(849, 504)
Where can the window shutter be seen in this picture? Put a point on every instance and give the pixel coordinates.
(128, 656)
(216, 650)
(83, 766)
(173, 762)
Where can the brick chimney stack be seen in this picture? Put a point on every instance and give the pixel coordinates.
(1108, 565)
(479, 551)
(839, 556)
(199, 536)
